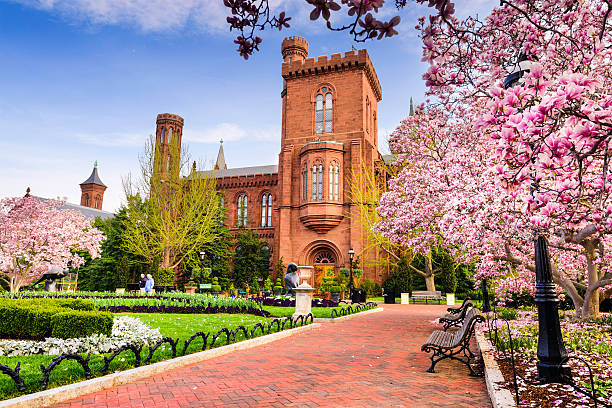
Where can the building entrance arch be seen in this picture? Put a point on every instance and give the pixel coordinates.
(324, 257)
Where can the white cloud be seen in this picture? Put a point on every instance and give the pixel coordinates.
(114, 139)
(149, 15)
(230, 132)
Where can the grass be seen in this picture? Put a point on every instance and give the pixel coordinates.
(317, 312)
(173, 325)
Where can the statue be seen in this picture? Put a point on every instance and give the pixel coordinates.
(292, 279)
(50, 277)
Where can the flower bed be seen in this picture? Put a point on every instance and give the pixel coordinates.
(126, 330)
(290, 302)
(591, 341)
(166, 303)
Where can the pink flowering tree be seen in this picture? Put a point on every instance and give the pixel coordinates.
(549, 134)
(36, 235)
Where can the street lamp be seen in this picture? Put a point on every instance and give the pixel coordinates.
(202, 253)
(552, 355)
(351, 254)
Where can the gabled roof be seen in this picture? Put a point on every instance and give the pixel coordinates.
(94, 178)
(86, 211)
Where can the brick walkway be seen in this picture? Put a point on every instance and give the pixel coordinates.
(368, 361)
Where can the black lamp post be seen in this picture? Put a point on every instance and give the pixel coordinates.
(486, 306)
(552, 355)
(351, 254)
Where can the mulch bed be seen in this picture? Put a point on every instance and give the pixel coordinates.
(548, 395)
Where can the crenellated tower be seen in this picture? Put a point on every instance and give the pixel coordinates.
(168, 137)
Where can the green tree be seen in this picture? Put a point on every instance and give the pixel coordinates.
(251, 258)
(101, 274)
(182, 210)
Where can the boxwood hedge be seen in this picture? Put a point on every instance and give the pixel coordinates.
(36, 319)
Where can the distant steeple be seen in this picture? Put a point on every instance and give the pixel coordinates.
(411, 107)
(220, 165)
(92, 190)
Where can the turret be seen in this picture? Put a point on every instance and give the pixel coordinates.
(92, 190)
(294, 49)
(168, 136)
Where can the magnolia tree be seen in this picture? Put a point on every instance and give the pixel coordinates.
(36, 235)
(545, 154)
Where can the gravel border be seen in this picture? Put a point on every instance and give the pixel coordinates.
(501, 397)
(67, 392)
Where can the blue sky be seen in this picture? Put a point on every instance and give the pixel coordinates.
(82, 81)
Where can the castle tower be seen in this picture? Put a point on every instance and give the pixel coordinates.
(329, 131)
(92, 190)
(168, 137)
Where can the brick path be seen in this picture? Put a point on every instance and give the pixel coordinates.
(368, 361)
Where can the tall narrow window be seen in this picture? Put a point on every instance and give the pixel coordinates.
(328, 112)
(242, 211)
(264, 208)
(320, 182)
(304, 184)
(86, 201)
(319, 114)
(170, 136)
(269, 210)
(314, 182)
(162, 139)
(323, 111)
(97, 202)
(336, 186)
(331, 182)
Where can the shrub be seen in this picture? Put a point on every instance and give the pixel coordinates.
(73, 324)
(164, 277)
(279, 285)
(367, 286)
(507, 313)
(267, 286)
(191, 283)
(215, 287)
(34, 319)
(377, 289)
(335, 289)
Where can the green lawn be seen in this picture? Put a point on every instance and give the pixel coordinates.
(172, 325)
(317, 312)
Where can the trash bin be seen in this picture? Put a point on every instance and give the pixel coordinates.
(358, 296)
(389, 295)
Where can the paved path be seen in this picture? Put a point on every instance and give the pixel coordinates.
(368, 361)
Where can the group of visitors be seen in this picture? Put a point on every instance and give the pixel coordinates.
(146, 283)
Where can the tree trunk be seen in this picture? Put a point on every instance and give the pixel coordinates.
(590, 308)
(429, 276)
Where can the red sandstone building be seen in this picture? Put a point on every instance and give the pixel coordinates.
(301, 206)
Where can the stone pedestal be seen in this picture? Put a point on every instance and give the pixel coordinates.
(450, 299)
(303, 299)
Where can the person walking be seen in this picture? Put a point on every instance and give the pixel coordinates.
(149, 284)
(142, 283)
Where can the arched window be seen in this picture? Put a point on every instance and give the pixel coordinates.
(325, 257)
(320, 196)
(314, 182)
(242, 211)
(336, 182)
(323, 110)
(331, 182)
(163, 135)
(269, 210)
(266, 210)
(97, 202)
(304, 184)
(86, 201)
(170, 135)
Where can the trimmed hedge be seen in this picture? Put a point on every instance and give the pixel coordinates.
(72, 324)
(33, 319)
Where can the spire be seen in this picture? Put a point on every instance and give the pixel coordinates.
(94, 178)
(220, 165)
(411, 107)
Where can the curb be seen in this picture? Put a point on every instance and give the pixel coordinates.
(67, 392)
(500, 396)
(339, 319)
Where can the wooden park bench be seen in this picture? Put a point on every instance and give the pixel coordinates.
(455, 317)
(428, 295)
(457, 309)
(450, 345)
